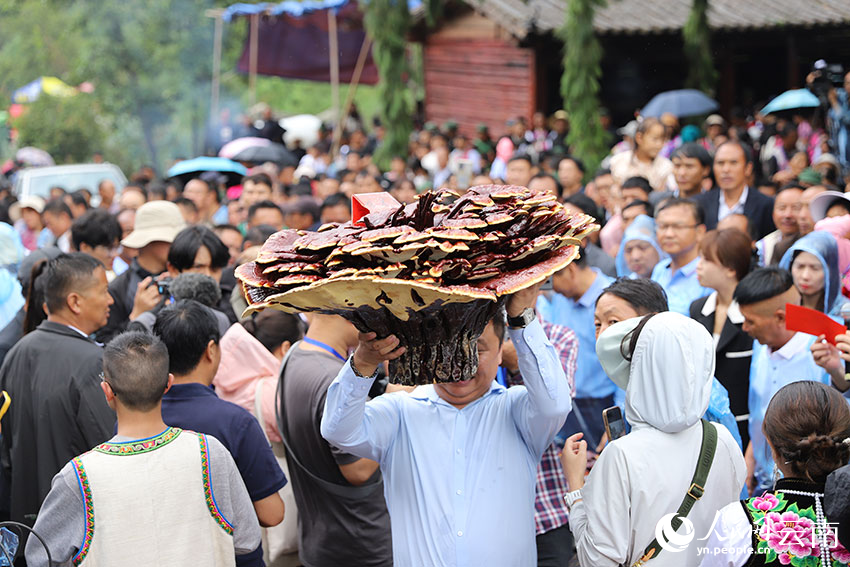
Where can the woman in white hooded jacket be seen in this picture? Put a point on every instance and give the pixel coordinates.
(665, 362)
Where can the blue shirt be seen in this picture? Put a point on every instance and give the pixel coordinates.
(459, 483)
(769, 372)
(591, 380)
(682, 286)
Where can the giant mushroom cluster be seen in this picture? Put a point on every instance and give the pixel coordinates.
(433, 272)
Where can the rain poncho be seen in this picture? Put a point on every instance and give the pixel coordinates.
(12, 251)
(823, 246)
(642, 228)
(668, 391)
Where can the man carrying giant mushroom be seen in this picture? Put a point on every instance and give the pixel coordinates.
(427, 285)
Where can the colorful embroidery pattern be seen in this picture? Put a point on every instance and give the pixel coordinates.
(208, 493)
(138, 447)
(785, 534)
(88, 509)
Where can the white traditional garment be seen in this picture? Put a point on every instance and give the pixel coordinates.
(643, 476)
(134, 515)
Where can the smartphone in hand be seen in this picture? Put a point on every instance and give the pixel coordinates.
(615, 426)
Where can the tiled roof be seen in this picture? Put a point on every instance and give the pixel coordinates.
(653, 16)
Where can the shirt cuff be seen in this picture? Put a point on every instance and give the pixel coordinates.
(529, 338)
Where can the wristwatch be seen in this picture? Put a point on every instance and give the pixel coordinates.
(571, 497)
(523, 320)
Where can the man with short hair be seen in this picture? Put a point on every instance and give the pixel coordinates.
(58, 219)
(145, 496)
(733, 168)
(635, 188)
(97, 233)
(805, 222)
(519, 170)
(458, 458)
(302, 214)
(106, 190)
(135, 291)
(342, 514)
(571, 172)
(691, 166)
(680, 226)
(126, 220)
(335, 208)
(786, 209)
(545, 182)
(190, 332)
(256, 188)
(204, 194)
(780, 357)
(52, 374)
(633, 210)
(265, 213)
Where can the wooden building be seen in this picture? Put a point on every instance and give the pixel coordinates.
(489, 60)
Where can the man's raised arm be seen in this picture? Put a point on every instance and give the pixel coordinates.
(350, 423)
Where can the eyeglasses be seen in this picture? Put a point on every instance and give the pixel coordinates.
(675, 227)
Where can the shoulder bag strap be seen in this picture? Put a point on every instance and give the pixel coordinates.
(353, 492)
(695, 491)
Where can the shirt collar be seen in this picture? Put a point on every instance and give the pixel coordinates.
(742, 200)
(688, 269)
(733, 313)
(190, 390)
(429, 392)
(798, 343)
(588, 299)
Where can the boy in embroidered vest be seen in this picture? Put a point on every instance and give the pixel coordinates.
(153, 494)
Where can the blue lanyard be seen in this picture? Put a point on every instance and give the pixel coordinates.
(321, 345)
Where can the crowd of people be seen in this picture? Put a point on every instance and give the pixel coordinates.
(145, 408)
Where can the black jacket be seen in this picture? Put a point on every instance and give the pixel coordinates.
(58, 411)
(758, 208)
(734, 354)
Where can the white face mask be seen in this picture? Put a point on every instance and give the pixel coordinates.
(609, 351)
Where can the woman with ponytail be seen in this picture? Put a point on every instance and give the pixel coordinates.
(807, 425)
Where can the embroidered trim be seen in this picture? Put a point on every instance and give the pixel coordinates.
(208, 493)
(139, 446)
(88, 508)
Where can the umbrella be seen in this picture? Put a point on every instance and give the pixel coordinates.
(275, 153)
(48, 85)
(304, 127)
(189, 168)
(796, 98)
(682, 102)
(233, 147)
(34, 157)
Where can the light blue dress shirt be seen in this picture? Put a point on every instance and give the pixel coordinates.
(682, 286)
(459, 483)
(591, 380)
(769, 372)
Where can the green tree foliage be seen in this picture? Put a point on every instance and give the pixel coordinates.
(387, 22)
(580, 82)
(697, 38)
(66, 128)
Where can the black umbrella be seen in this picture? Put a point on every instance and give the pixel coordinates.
(260, 154)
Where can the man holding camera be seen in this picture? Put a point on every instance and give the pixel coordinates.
(135, 291)
(839, 114)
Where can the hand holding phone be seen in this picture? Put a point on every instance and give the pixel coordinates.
(615, 426)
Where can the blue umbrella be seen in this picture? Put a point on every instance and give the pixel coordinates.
(797, 98)
(682, 102)
(203, 163)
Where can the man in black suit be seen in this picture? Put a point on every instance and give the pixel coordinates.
(733, 165)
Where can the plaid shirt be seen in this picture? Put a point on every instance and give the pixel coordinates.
(550, 510)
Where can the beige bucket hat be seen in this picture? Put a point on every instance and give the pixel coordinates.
(157, 221)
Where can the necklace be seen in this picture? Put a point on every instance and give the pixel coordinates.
(323, 346)
(821, 531)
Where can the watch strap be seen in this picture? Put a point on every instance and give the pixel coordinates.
(523, 319)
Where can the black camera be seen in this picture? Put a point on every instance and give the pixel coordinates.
(164, 287)
(826, 76)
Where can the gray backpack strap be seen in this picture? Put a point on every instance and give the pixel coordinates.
(339, 490)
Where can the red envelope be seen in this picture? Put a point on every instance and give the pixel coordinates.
(805, 320)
